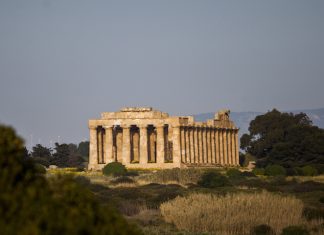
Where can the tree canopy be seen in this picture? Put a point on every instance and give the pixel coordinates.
(32, 204)
(284, 138)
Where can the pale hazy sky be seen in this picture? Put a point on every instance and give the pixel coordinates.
(63, 62)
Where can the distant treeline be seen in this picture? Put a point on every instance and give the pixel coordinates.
(63, 155)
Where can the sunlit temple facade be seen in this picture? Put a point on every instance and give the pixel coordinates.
(147, 138)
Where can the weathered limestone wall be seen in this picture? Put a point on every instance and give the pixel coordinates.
(147, 138)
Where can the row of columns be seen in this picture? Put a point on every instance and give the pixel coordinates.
(202, 145)
(102, 145)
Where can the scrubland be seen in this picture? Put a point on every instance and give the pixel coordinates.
(177, 202)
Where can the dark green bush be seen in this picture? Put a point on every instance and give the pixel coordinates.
(258, 171)
(40, 168)
(114, 169)
(309, 171)
(275, 170)
(122, 180)
(262, 229)
(295, 230)
(248, 174)
(213, 179)
(33, 204)
(321, 200)
(233, 173)
(311, 213)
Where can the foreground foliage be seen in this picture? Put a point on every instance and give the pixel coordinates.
(32, 205)
(233, 213)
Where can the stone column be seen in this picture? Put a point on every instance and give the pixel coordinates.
(208, 136)
(203, 142)
(187, 144)
(233, 141)
(176, 145)
(199, 145)
(221, 145)
(237, 162)
(217, 146)
(143, 145)
(213, 145)
(192, 147)
(100, 145)
(183, 145)
(93, 148)
(108, 151)
(225, 147)
(196, 136)
(206, 145)
(160, 144)
(126, 145)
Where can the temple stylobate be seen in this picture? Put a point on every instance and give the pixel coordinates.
(147, 138)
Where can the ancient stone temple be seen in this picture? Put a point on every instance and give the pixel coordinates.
(147, 138)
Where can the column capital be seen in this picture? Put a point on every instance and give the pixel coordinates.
(125, 126)
(107, 127)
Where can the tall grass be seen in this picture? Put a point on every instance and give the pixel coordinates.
(233, 214)
(176, 175)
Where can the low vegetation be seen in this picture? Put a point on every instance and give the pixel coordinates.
(233, 213)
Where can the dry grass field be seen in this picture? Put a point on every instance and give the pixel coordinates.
(173, 202)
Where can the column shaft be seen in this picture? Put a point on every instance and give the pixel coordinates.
(196, 145)
(176, 145)
(93, 148)
(221, 145)
(183, 145)
(209, 144)
(225, 147)
(187, 141)
(199, 145)
(192, 145)
(126, 145)
(213, 145)
(143, 145)
(108, 153)
(160, 144)
(217, 146)
(237, 156)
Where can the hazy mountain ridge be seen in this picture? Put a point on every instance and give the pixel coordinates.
(243, 119)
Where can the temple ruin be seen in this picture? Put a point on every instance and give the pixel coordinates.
(148, 138)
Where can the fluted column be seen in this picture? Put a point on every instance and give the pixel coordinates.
(237, 149)
(192, 145)
(93, 148)
(217, 146)
(204, 136)
(160, 144)
(108, 151)
(126, 145)
(213, 152)
(233, 163)
(143, 145)
(225, 147)
(208, 136)
(183, 144)
(187, 144)
(196, 136)
(176, 145)
(221, 147)
(100, 145)
(199, 145)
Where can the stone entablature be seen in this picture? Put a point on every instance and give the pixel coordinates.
(147, 138)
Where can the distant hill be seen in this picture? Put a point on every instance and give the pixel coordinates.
(243, 119)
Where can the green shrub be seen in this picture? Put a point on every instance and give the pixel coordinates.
(114, 169)
(309, 171)
(233, 173)
(311, 213)
(294, 230)
(258, 171)
(321, 200)
(213, 179)
(248, 174)
(275, 170)
(123, 180)
(40, 168)
(262, 229)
